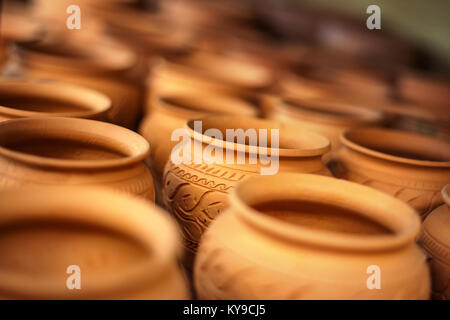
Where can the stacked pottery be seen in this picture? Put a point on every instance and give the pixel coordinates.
(196, 190)
(436, 242)
(29, 99)
(411, 167)
(301, 236)
(69, 151)
(325, 116)
(97, 63)
(119, 247)
(170, 112)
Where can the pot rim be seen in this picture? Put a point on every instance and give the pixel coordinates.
(229, 104)
(324, 145)
(404, 221)
(134, 147)
(445, 192)
(97, 103)
(143, 223)
(316, 110)
(347, 142)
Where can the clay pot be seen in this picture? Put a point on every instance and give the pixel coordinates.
(196, 192)
(171, 112)
(302, 236)
(408, 166)
(100, 64)
(68, 151)
(324, 116)
(29, 99)
(209, 72)
(124, 248)
(436, 242)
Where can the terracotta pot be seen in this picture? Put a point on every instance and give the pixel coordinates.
(172, 111)
(302, 236)
(100, 64)
(436, 242)
(68, 151)
(427, 91)
(411, 167)
(325, 116)
(124, 248)
(195, 193)
(29, 99)
(208, 72)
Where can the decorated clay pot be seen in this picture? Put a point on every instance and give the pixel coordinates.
(324, 116)
(435, 237)
(113, 246)
(196, 191)
(69, 151)
(408, 166)
(171, 112)
(96, 63)
(302, 236)
(29, 99)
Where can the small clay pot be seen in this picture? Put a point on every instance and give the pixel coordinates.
(124, 248)
(30, 99)
(325, 116)
(171, 112)
(411, 167)
(69, 151)
(196, 192)
(302, 236)
(96, 63)
(435, 237)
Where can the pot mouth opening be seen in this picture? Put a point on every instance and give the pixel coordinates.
(398, 146)
(50, 98)
(207, 104)
(332, 111)
(292, 141)
(49, 231)
(70, 143)
(320, 211)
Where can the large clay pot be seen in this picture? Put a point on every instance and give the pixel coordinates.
(124, 248)
(29, 99)
(196, 192)
(68, 151)
(324, 116)
(436, 241)
(302, 236)
(408, 166)
(96, 63)
(171, 112)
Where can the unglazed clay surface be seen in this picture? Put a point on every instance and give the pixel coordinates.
(317, 246)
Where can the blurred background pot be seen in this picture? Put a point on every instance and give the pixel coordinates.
(124, 248)
(436, 241)
(29, 99)
(310, 237)
(68, 151)
(97, 63)
(325, 116)
(195, 193)
(170, 112)
(408, 166)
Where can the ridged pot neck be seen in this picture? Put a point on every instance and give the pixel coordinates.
(93, 208)
(328, 111)
(446, 194)
(396, 146)
(196, 105)
(293, 142)
(131, 147)
(393, 214)
(15, 93)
